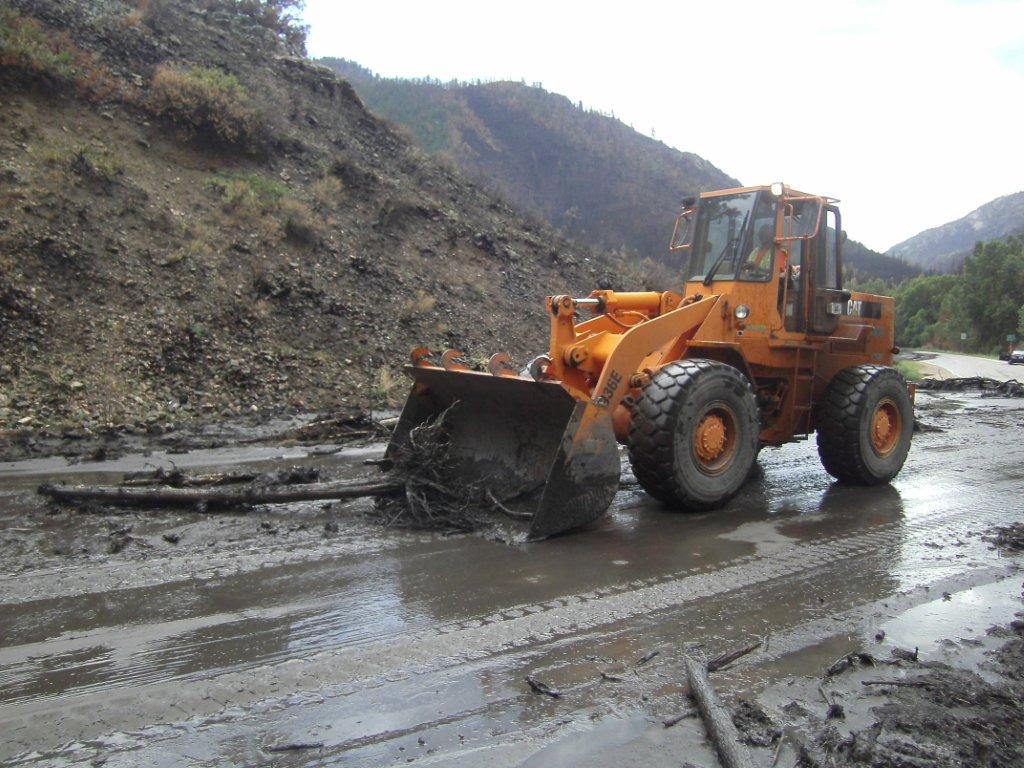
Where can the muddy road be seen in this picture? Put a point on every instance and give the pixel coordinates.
(306, 635)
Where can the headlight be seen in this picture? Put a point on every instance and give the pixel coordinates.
(777, 189)
(742, 312)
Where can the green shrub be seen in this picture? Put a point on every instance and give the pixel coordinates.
(300, 225)
(282, 17)
(249, 192)
(909, 370)
(420, 304)
(206, 102)
(29, 48)
(97, 168)
(26, 46)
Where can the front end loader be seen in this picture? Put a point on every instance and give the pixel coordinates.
(762, 346)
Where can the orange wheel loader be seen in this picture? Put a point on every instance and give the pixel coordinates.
(761, 347)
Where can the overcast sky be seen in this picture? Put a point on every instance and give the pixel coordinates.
(911, 112)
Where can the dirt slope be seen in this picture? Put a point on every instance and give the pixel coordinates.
(155, 271)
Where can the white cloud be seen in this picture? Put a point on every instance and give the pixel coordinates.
(909, 111)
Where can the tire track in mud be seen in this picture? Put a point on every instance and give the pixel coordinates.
(404, 656)
(32, 586)
(800, 473)
(503, 706)
(155, 651)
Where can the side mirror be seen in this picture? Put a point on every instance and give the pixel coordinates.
(681, 234)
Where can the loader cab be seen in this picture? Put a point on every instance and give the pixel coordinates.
(768, 235)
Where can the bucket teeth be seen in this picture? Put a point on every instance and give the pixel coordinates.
(453, 360)
(500, 364)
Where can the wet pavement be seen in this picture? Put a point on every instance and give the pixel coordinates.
(951, 365)
(357, 646)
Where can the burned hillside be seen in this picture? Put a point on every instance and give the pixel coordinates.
(194, 221)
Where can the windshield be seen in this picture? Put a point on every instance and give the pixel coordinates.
(722, 227)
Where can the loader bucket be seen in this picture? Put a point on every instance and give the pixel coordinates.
(529, 443)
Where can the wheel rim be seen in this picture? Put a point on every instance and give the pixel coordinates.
(886, 426)
(714, 439)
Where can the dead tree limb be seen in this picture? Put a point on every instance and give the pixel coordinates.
(716, 719)
(178, 479)
(217, 497)
(726, 659)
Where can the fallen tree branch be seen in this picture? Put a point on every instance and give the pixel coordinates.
(538, 686)
(216, 497)
(716, 719)
(726, 659)
(297, 746)
(178, 479)
(988, 387)
(668, 722)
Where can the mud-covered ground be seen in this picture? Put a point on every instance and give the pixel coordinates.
(307, 635)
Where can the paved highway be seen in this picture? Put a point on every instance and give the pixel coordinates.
(958, 366)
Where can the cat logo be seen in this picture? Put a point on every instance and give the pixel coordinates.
(854, 307)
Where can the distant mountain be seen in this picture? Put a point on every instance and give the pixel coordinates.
(943, 248)
(860, 264)
(587, 173)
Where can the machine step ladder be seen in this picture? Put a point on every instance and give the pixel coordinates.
(803, 389)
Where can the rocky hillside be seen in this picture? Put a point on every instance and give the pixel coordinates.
(943, 248)
(194, 223)
(588, 174)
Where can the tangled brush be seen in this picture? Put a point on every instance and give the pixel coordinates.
(436, 496)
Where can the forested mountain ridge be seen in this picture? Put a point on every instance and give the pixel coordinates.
(861, 264)
(589, 174)
(976, 309)
(943, 248)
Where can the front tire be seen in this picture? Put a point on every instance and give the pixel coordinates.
(865, 424)
(693, 435)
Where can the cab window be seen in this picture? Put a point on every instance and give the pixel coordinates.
(759, 263)
(722, 237)
(828, 250)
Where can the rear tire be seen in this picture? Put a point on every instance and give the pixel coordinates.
(865, 424)
(693, 435)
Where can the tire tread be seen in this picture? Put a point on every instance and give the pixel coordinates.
(652, 428)
(838, 423)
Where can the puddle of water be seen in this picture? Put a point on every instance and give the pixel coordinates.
(763, 535)
(965, 615)
(582, 747)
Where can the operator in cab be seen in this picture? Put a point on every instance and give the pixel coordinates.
(759, 262)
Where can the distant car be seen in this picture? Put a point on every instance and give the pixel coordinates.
(1016, 357)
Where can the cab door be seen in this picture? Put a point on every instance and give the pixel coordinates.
(827, 296)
